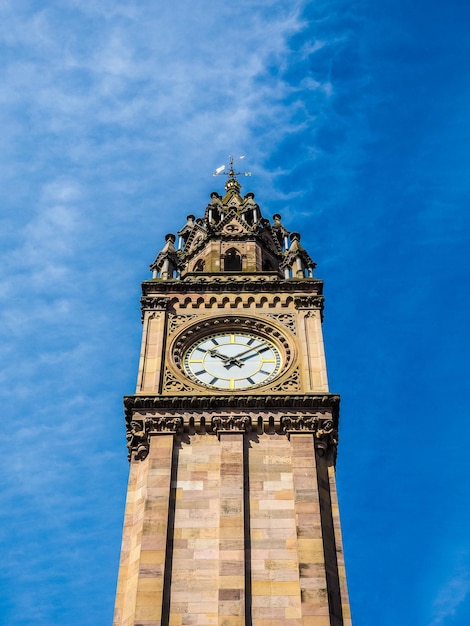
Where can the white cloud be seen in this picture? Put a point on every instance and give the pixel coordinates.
(450, 597)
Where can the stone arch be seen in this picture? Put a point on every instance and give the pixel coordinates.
(232, 260)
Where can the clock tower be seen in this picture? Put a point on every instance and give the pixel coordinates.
(231, 515)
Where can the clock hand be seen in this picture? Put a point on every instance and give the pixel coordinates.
(235, 359)
(228, 360)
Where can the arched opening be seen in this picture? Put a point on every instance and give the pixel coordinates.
(199, 267)
(232, 261)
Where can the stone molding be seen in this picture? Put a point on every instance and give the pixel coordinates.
(254, 401)
(236, 301)
(220, 283)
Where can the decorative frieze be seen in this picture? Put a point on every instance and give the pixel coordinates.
(254, 282)
(145, 421)
(206, 401)
(143, 424)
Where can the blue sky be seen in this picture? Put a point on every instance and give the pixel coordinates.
(354, 121)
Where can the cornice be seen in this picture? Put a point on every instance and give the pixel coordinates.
(147, 417)
(260, 401)
(224, 283)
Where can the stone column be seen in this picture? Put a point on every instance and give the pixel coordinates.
(311, 338)
(313, 585)
(144, 546)
(231, 530)
(346, 610)
(153, 344)
(124, 613)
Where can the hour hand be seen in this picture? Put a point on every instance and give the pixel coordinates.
(228, 360)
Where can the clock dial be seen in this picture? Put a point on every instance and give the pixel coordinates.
(232, 360)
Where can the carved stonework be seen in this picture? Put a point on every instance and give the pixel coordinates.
(218, 402)
(137, 440)
(295, 423)
(165, 424)
(287, 319)
(326, 435)
(309, 302)
(145, 419)
(151, 303)
(237, 423)
(139, 432)
(175, 321)
(171, 383)
(219, 282)
(226, 323)
(290, 384)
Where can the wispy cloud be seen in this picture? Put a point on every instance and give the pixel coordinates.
(452, 595)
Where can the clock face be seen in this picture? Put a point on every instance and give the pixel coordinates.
(232, 360)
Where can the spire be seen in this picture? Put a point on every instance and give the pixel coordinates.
(166, 263)
(297, 261)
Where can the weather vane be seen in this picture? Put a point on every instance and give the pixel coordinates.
(220, 171)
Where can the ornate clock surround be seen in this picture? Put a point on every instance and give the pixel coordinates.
(196, 330)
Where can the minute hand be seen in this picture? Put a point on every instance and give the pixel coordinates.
(234, 358)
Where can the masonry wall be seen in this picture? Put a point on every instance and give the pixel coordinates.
(233, 530)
